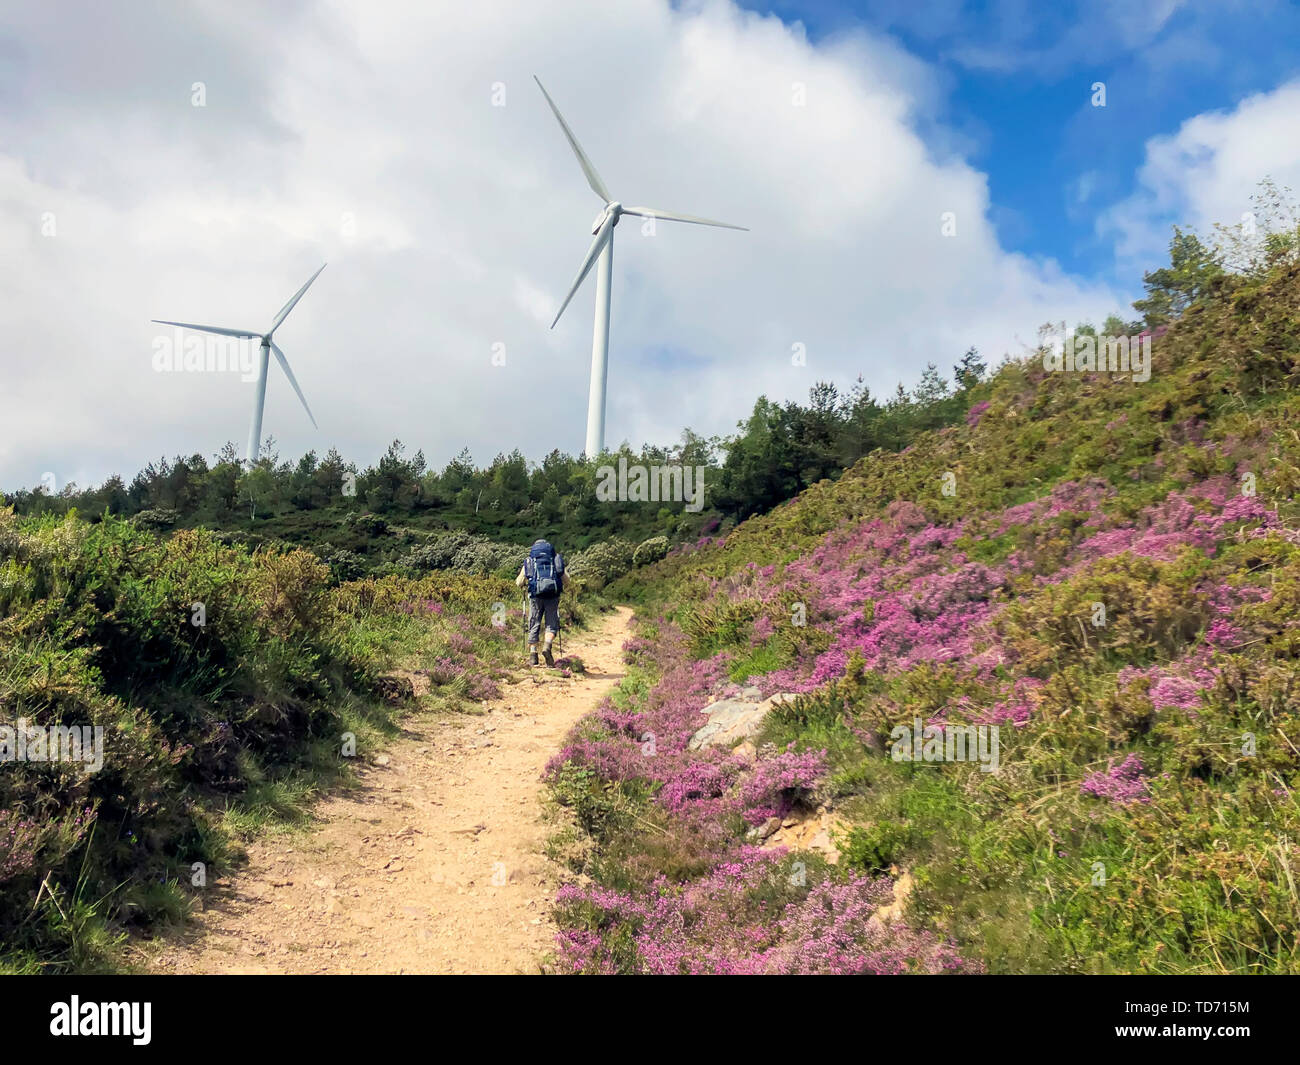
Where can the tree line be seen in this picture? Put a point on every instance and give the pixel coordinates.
(775, 453)
(779, 450)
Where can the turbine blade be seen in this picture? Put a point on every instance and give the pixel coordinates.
(284, 365)
(593, 179)
(284, 311)
(673, 216)
(243, 333)
(603, 236)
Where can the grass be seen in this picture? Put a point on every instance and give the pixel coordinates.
(214, 734)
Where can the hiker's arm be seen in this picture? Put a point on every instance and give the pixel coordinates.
(522, 579)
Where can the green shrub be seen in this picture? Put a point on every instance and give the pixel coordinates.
(212, 671)
(602, 563)
(157, 518)
(463, 552)
(648, 551)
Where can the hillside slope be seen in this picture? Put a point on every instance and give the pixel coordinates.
(163, 699)
(1106, 572)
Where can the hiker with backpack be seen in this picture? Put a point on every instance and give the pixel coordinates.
(543, 575)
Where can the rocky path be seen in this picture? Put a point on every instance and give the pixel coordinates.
(433, 864)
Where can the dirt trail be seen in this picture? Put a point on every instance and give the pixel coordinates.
(433, 864)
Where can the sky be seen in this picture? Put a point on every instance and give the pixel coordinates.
(916, 179)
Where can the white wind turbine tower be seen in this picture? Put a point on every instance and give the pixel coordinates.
(602, 251)
(268, 347)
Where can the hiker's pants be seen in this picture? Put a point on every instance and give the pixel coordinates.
(550, 608)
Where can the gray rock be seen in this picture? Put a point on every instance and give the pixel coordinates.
(759, 833)
(732, 721)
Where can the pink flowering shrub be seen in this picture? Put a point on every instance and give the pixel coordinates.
(1118, 783)
(26, 840)
(459, 643)
(1108, 576)
(1017, 709)
(445, 670)
(480, 687)
(741, 915)
(745, 917)
(779, 783)
(971, 620)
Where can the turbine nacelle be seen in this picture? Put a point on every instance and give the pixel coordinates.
(612, 210)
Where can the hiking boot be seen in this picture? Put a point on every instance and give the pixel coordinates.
(532, 658)
(547, 655)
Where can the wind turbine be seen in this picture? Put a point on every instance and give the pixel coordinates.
(268, 347)
(602, 252)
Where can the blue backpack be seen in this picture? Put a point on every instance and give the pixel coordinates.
(545, 571)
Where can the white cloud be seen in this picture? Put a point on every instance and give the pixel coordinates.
(1206, 173)
(469, 222)
(1015, 35)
